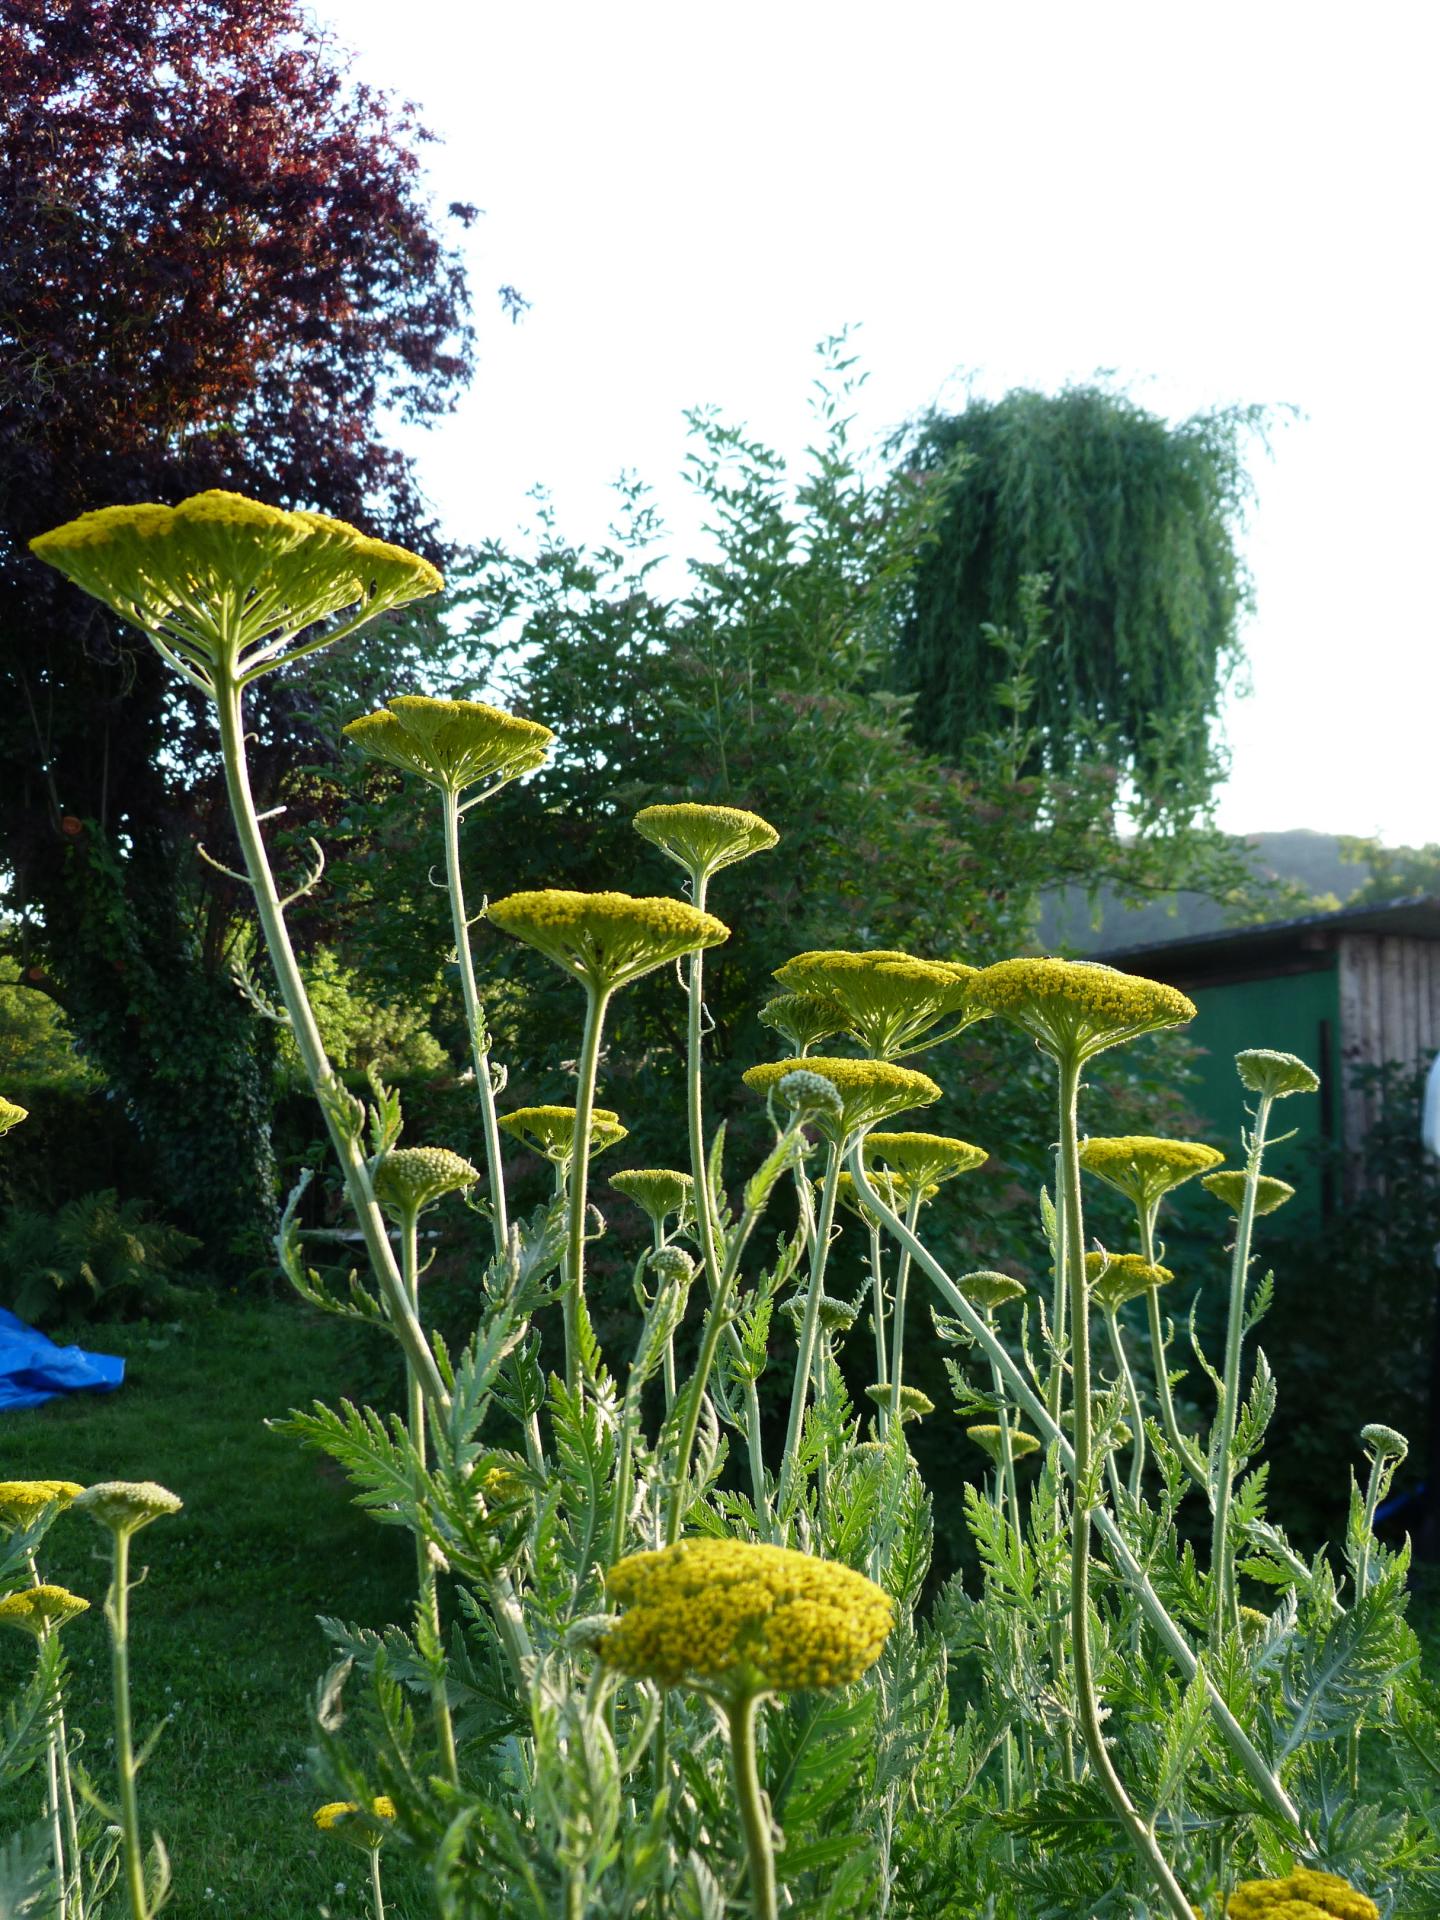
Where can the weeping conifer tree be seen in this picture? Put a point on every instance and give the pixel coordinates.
(1134, 521)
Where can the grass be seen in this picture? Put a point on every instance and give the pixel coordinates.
(224, 1639)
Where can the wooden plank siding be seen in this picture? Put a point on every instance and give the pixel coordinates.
(1389, 1010)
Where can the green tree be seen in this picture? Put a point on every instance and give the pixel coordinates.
(1134, 523)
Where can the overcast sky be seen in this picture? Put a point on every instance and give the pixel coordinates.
(1220, 203)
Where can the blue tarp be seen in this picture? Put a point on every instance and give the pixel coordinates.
(33, 1369)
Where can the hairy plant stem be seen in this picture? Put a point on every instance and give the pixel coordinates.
(329, 1091)
(1194, 1465)
(1132, 1397)
(52, 1801)
(1086, 1495)
(375, 1893)
(1222, 1468)
(805, 1360)
(474, 1020)
(1126, 1565)
(72, 1889)
(897, 1320)
(427, 1589)
(1055, 1402)
(1362, 1587)
(597, 1000)
(740, 1717)
(877, 1319)
(117, 1615)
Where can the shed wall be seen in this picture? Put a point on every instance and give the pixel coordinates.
(1389, 1010)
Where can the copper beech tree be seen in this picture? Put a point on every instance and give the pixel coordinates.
(218, 267)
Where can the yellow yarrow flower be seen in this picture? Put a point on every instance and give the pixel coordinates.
(222, 584)
(803, 1019)
(1305, 1894)
(452, 744)
(1145, 1168)
(11, 1115)
(870, 1090)
(1229, 1187)
(739, 1619)
(891, 1001)
(1074, 1009)
(924, 1157)
(124, 1506)
(914, 1405)
(550, 1131)
(705, 839)
(606, 940)
(988, 1290)
(36, 1610)
(409, 1179)
(991, 1439)
(21, 1500)
(657, 1191)
(1263, 1070)
(1115, 1278)
(338, 1816)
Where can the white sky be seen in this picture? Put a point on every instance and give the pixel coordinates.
(1219, 202)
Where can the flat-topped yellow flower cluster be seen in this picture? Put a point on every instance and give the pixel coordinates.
(1305, 1894)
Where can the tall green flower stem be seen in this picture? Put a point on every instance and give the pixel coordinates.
(1132, 1399)
(877, 1316)
(427, 1594)
(1194, 1465)
(62, 1793)
(1117, 1549)
(474, 1017)
(334, 1100)
(65, 1869)
(805, 1362)
(740, 1718)
(597, 1001)
(1222, 1468)
(897, 1323)
(376, 1893)
(1084, 1481)
(117, 1615)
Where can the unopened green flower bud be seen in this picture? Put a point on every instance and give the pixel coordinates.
(1385, 1443)
(1266, 1072)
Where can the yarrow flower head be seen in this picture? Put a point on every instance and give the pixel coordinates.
(991, 1439)
(124, 1506)
(11, 1115)
(1305, 1894)
(923, 1157)
(1229, 1187)
(1074, 1009)
(339, 1816)
(804, 1094)
(1144, 1168)
(914, 1405)
(550, 1131)
(409, 1179)
(803, 1020)
(893, 1188)
(39, 1610)
(988, 1290)
(870, 1090)
(452, 744)
(1264, 1071)
(890, 1001)
(21, 1500)
(705, 839)
(738, 1619)
(832, 1316)
(1384, 1443)
(222, 584)
(1115, 1278)
(658, 1192)
(671, 1266)
(606, 940)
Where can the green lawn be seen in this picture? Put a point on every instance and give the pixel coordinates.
(223, 1628)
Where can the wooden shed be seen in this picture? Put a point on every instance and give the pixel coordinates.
(1356, 986)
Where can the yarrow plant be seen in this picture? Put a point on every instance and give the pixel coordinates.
(675, 1662)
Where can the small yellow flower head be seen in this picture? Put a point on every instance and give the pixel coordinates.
(338, 1816)
(1074, 1009)
(124, 1506)
(988, 1290)
(890, 1001)
(452, 744)
(503, 1486)
(36, 1610)
(870, 1090)
(1114, 1278)
(803, 1020)
(834, 1316)
(914, 1405)
(1145, 1169)
(551, 1131)
(893, 1188)
(657, 1191)
(606, 940)
(222, 581)
(1382, 1443)
(924, 1157)
(1252, 1622)
(409, 1179)
(705, 839)
(1304, 1894)
(738, 1619)
(1229, 1187)
(11, 1115)
(992, 1440)
(1262, 1070)
(21, 1500)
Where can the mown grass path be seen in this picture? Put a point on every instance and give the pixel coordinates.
(223, 1627)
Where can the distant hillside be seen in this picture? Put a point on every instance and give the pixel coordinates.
(1311, 860)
